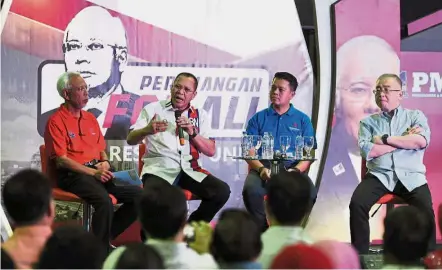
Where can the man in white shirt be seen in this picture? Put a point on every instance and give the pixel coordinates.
(162, 211)
(287, 202)
(177, 161)
(407, 234)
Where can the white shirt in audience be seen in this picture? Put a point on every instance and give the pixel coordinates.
(397, 266)
(179, 256)
(276, 238)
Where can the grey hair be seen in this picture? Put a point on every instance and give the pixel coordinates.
(347, 51)
(64, 81)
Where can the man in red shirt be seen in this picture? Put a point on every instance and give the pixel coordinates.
(74, 141)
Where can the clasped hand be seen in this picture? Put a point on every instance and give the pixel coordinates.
(103, 173)
(410, 131)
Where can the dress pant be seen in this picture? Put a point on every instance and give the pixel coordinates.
(106, 224)
(253, 195)
(212, 191)
(367, 193)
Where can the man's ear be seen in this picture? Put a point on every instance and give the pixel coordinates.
(121, 57)
(66, 94)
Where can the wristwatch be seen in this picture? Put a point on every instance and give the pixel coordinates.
(384, 139)
(194, 133)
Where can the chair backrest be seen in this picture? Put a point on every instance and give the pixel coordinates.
(364, 169)
(48, 166)
(141, 152)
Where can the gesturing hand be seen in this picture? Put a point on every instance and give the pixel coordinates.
(156, 126)
(185, 124)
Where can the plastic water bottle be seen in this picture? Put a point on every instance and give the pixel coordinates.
(245, 144)
(271, 146)
(265, 145)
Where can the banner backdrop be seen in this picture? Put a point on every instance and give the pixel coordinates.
(422, 77)
(367, 41)
(129, 52)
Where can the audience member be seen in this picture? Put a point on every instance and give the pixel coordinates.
(71, 247)
(27, 197)
(341, 255)
(406, 237)
(236, 242)
(134, 256)
(163, 216)
(288, 201)
(301, 256)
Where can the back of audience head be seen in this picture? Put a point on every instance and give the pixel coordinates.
(236, 238)
(341, 255)
(134, 256)
(27, 196)
(71, 247)
(301, 256)
(406, 235)
(288, 198)
(162, 210)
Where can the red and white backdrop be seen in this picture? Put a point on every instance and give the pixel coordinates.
(132, 50)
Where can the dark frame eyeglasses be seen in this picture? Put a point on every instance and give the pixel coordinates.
(385, 91)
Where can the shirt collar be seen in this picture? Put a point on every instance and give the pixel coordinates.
(291, 111)
(65, 113)
(168, 106)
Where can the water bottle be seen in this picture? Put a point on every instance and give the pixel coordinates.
(245, 144)
(271, 146)
(265, 146)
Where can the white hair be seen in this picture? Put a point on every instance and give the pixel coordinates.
(94, 16)
(64, 82)
(347, 52)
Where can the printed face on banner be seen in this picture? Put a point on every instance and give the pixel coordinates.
(360, 61)
(95, 46)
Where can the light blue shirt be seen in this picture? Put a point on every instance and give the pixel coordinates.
(402, 165)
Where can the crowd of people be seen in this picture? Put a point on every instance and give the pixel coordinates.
(269, 233)
(235, 242)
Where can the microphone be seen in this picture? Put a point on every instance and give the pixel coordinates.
(180, 129)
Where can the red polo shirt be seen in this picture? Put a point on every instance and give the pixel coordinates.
(78, 138)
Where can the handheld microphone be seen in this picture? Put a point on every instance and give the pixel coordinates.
(180, 129)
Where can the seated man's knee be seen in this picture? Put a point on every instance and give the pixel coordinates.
(253, 186)
(223, 192)
(357, 203)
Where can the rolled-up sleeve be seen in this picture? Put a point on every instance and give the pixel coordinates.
(364, 140)
(420, 120)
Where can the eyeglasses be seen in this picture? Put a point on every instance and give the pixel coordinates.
(385, 91)
(80, 88)
(178, 87)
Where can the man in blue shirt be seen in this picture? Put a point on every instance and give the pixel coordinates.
(280, 119)
(393, 143)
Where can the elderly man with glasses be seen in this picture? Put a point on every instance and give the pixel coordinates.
(393, 143)
(176, 159)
